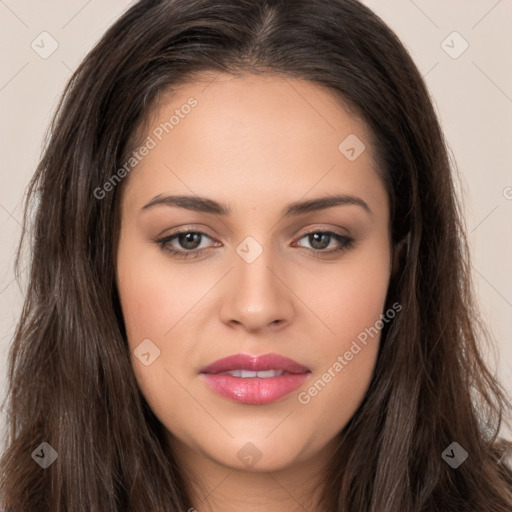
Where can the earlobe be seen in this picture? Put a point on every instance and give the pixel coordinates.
(398, 253)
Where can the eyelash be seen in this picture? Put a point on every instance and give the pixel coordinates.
(347, 243)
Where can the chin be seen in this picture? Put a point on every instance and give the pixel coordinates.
(259, 455)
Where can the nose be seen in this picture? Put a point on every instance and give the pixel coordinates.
(256, 296)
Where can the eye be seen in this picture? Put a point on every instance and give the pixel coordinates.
(322, 240)
(188, 242)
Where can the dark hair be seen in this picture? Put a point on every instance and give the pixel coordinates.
(70, 375)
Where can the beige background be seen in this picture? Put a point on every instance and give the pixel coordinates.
(472, 93)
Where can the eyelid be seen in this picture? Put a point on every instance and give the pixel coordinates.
(185, 229)
(314, 228)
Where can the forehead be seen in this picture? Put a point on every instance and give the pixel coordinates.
(253, 135)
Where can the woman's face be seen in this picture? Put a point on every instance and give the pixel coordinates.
(279, 276)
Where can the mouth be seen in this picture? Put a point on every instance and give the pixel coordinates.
(254, 380)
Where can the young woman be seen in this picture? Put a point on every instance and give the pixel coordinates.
(249, 284)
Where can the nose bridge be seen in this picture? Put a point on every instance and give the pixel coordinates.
(256, 297)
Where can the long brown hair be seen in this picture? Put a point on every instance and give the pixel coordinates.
(71, 383)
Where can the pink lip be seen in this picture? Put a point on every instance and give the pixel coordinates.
(254, 390)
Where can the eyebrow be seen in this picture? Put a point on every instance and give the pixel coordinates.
(205, 205)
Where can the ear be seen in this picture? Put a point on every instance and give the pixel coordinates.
(399, 250)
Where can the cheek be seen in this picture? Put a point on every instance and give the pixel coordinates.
(352, 306)
(153, 297)
(152, 303)
(349, 296)
(159, 303)
(334, 396)
(346, 359)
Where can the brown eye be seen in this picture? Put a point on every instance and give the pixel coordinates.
(319, 240)
(184, 244)
(190, 240)
(322, 240)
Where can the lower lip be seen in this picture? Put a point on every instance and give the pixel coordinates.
(254, 391)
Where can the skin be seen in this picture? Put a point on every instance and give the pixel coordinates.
(256, 144)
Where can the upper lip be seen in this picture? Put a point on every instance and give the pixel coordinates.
(255, 363)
